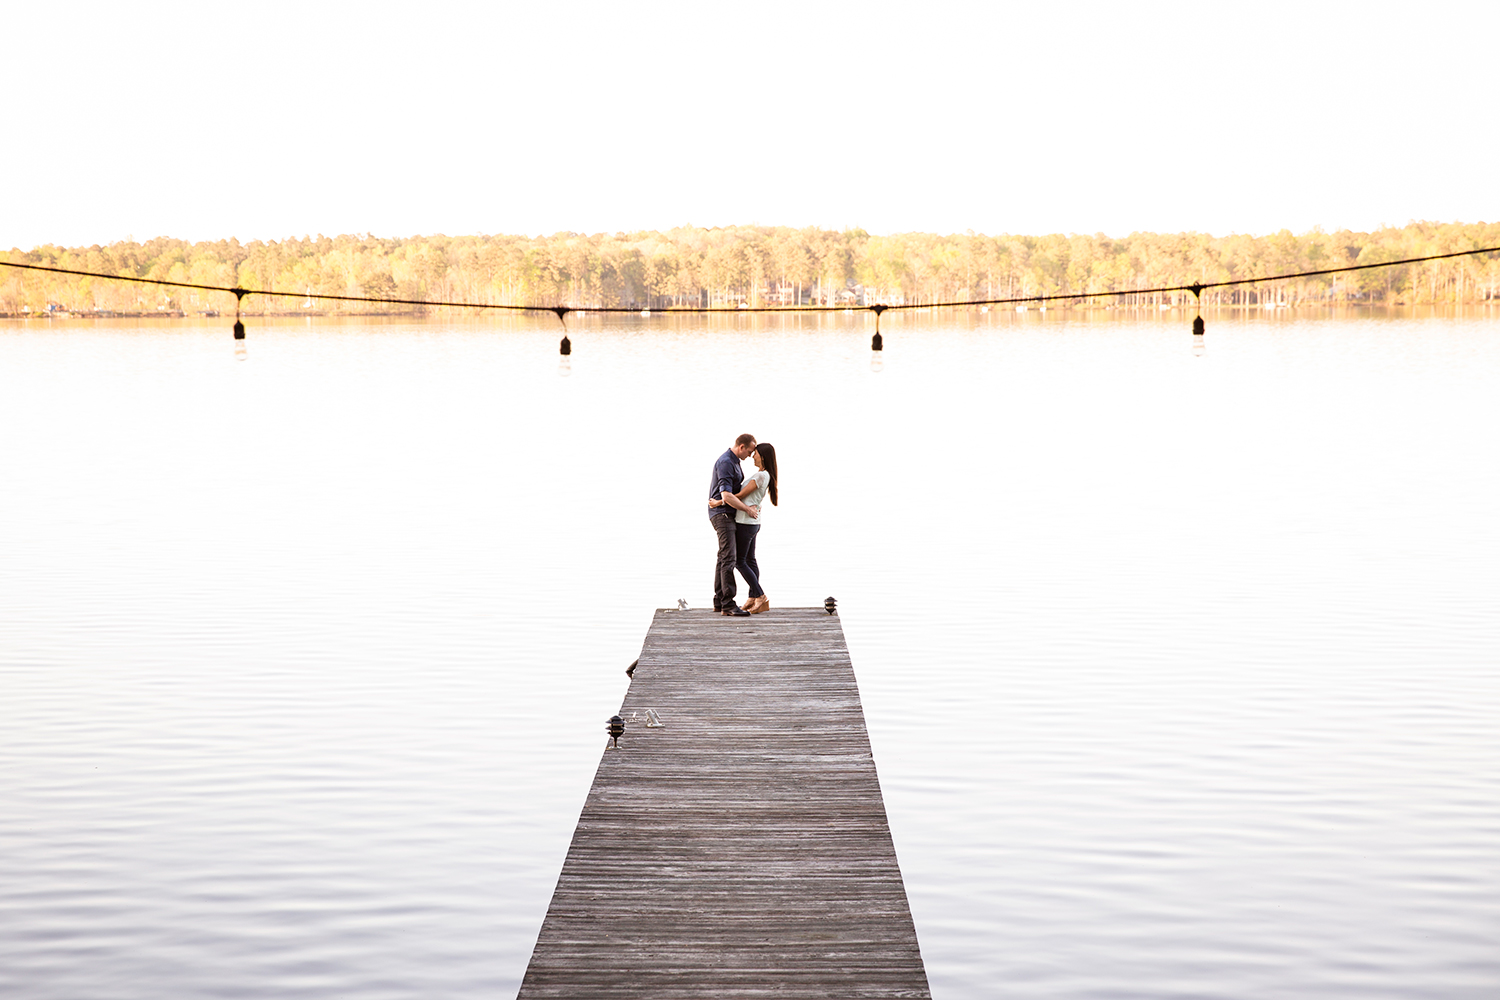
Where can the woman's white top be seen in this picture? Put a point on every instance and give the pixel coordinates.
(756, 496)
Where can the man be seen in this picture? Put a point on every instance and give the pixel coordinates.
(725, 483)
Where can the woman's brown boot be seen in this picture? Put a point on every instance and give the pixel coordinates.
(762, 603)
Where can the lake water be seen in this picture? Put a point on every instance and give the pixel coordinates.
(1180, 670)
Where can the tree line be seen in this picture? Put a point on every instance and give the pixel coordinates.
(758, 266)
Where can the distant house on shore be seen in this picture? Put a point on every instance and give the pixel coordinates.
(865, 296)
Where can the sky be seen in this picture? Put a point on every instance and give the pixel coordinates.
(207, 121)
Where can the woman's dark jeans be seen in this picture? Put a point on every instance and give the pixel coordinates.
(744, 546)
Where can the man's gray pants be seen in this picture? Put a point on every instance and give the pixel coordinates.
(723, 525)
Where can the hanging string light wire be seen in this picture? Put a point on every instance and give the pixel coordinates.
(566, 347)
(239, 327)
(877, 342)
(1197, 288)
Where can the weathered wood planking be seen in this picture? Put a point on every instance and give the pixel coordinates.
(743, 851)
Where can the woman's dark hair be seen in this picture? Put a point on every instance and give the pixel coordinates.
(768, 459)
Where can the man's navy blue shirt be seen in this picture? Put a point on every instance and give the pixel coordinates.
(727, 478)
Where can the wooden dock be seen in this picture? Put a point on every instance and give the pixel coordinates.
(742, 850)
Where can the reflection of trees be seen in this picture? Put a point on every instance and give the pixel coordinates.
(765, 265)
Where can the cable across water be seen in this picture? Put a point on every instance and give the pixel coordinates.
(561, 311)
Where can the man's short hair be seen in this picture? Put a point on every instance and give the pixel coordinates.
(744, 439)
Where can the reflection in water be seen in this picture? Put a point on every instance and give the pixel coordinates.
(1177, 708)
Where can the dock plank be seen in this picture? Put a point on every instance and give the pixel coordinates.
(743, 850)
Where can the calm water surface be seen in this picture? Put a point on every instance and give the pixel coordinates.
(1181, 671)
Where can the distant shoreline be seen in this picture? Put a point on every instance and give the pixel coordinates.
(1177, 312)
(763, 267)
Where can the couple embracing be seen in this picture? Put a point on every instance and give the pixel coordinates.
(734, 511)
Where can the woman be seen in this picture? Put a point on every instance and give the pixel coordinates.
(747, 526)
